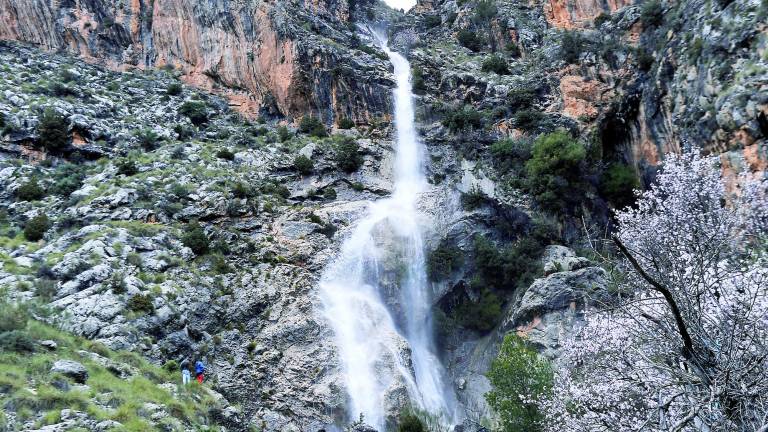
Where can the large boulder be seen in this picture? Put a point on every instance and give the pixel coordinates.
(71, 369)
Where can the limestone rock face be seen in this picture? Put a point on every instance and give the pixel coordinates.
(255, 53)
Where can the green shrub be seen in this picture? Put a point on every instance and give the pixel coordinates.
(195, 111)
(347, 155)
(195, 239)
(513, 49)
(17, 341)
(45, 288)
(521, 98)
(520, 378)
(117, 283)
(418, 83)
(652, 13)
(303, 164)
(432, 21)
(68, 178)
(30, 191)
(462, 119)
(312, 126)
(241, 190)
(410, 423)
(510, 154)
(14, 317)
(473, 199)
(53, 131)
(618, 185)
(346, 123)
(444, 260)
(555, 171)
(147, 138)
(171, 366)
(283, 134)
(225, 154)
(495, 64)
(141, 303)
(36, 227)
(470, 39)
(528, 119)
(174, 89)
(329, 193)
(127, 167)
(219, 264)
(482, 315)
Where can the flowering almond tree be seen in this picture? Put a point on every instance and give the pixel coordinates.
(684, 344)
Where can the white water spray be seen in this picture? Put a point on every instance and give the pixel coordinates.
(385, 350)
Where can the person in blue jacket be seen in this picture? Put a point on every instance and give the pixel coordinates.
(199, 371)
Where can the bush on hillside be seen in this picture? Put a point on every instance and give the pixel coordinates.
(225, 154)
(510, 155)
(652, 13)
(30, 191)
(148, 139)
(36, 227)
(346, 123)
(196, 239)
(141, 303)
(470, 39)
(555, 171)
(444, 260)
(53, 131)
(495, 64)
(418, 82)
(68, 178)
(174, 89)
(528, 119)
(521, 98)
(312, 126)
(347, 155)
(127, 167)
(463, 119)
(195, 111)
(481, 316)
(17, 341)
(303, 165)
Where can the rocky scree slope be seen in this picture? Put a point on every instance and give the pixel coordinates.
(173, 227)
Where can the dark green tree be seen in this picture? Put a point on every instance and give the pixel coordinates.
(53, 131)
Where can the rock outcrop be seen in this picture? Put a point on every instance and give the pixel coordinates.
(266, 57)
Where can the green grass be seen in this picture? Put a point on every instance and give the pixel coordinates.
(26, 385)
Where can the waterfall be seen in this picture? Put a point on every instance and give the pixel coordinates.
(385, 339)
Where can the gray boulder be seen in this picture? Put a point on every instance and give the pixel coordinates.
(71, 369)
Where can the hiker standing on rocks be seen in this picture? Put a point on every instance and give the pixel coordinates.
(185, 373)
(199, 371)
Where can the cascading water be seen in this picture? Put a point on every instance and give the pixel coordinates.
(383, 350)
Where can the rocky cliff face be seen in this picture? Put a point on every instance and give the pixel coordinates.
(266, 57)
(644, 79)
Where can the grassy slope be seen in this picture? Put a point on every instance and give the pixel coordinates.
(26, 386)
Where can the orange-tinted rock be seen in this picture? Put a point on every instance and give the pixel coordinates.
(578, 13)
(580, 96)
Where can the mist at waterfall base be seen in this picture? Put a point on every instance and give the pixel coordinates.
(383, 351)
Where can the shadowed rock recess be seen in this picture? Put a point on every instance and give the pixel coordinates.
(177, 175)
